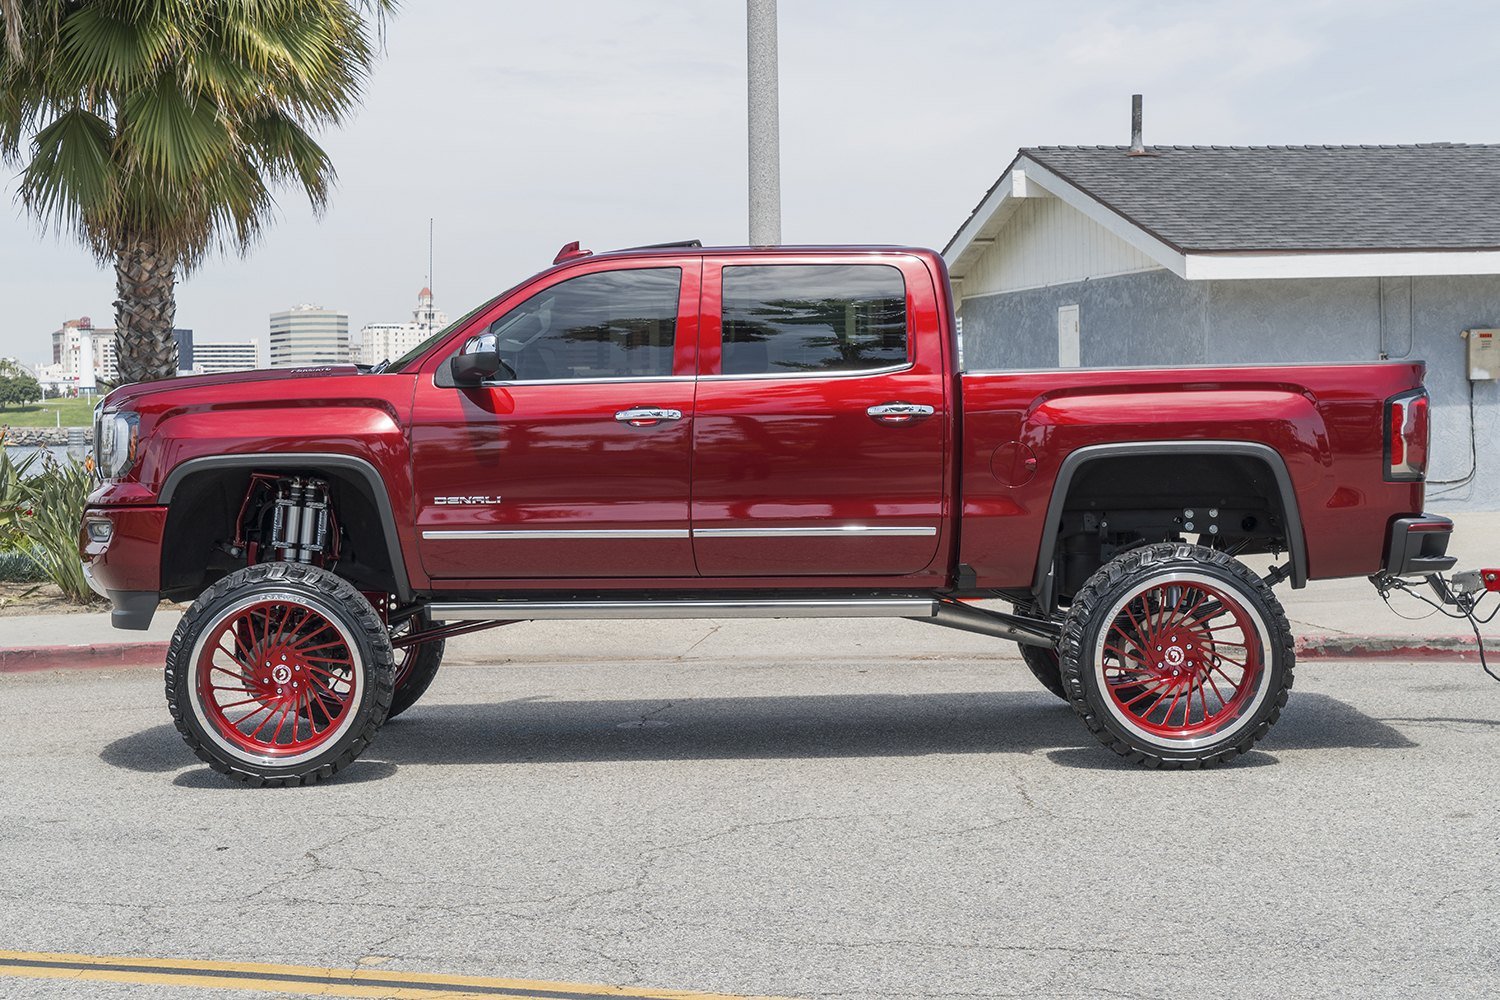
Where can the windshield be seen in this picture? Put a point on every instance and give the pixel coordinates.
(426, 345)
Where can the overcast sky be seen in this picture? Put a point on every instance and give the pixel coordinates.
(521, 126)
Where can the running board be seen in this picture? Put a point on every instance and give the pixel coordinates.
(854, 607)
(951, 614)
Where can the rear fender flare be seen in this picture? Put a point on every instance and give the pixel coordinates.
(1076, 460)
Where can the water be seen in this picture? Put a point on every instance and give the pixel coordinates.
(59, 452)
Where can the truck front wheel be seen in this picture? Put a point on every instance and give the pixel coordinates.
(280, 674)
(1176, 655)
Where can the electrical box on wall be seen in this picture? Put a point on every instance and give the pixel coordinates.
(1484, 354)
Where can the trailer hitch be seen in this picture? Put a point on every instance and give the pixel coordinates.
(1461, 592)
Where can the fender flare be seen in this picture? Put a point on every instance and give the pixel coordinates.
(307, 460)
(1075, 460)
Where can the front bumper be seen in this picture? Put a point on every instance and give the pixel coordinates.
(1418, 546)
(121, 552)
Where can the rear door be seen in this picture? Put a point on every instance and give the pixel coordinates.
(819, 442)
(575, 465)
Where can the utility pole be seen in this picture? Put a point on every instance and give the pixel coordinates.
(764, 117)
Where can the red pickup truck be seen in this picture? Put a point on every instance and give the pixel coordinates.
(689, 432)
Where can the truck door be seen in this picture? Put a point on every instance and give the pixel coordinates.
(573, 464)
(819, 442)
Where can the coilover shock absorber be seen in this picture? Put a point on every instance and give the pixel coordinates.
(299, 525)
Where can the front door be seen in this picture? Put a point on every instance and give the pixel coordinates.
(821, 423)
(573, 463)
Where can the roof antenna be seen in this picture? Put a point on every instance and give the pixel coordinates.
(1137, 146)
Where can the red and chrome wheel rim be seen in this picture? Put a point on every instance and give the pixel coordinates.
(1181, 661)
(276, 679)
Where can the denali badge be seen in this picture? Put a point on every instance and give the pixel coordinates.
(465, 501)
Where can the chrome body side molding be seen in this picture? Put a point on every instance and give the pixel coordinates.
(833, 531)
(471, 534)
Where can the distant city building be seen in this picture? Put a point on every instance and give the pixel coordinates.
(309, 335)
(389, 341)
(184, 340)
(84, 355)
(225, 356)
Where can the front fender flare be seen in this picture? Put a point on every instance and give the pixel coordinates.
(308, 460)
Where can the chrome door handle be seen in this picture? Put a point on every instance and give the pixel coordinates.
(900, 413)
(646, 416)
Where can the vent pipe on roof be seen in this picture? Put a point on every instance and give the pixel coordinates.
(1137, 146)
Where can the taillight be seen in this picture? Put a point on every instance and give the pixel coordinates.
(1406, 428)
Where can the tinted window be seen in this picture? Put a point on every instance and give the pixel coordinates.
(816, 318)
(611, 324)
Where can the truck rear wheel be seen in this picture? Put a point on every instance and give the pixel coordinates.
(280, 674)
(1176, 655)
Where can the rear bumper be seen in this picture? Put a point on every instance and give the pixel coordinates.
(121, 552)
(1418, 545)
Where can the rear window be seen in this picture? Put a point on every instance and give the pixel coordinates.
(791, 319)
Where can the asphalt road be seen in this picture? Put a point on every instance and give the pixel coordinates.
(777, 810)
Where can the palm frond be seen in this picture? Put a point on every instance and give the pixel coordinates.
(171, 135)
(71, 181)
(105, 50)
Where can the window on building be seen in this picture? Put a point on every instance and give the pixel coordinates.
(610, 324)
(808, 319)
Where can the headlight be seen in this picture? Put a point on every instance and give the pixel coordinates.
(115, 439)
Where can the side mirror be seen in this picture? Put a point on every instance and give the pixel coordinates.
(476, 368)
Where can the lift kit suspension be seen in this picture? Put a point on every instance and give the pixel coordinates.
(299, 525)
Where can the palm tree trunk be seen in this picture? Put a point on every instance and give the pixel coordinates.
(144, 281)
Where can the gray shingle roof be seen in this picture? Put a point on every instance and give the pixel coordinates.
(1439, 196)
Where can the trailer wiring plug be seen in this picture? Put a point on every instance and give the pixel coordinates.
(1463, 591)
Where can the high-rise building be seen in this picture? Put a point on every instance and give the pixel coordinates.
(225, 356)
(309, 335)
(389, 341)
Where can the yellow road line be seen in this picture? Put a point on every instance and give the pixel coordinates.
(314, 981)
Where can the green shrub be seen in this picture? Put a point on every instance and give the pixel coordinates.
(12, 500)
(47, 514)
(17, 566)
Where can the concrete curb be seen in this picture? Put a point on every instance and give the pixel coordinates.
(1313, 647)
(99, 655)
(1366, 647)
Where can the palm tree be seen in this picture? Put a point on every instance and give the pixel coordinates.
(157, 130)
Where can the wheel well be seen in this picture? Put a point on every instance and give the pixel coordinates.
(1238, 502)
(204, 513)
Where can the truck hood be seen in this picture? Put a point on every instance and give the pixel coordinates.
(127, 394)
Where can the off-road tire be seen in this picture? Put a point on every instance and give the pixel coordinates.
(416, 666)
(1046, 666)
(1133, 572)
(284, 584)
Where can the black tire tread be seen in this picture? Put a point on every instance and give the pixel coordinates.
(378, 673)
(429, 656)
(1046, 666)
(1143, 562)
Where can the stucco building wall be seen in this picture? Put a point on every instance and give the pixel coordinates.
(1157, 318)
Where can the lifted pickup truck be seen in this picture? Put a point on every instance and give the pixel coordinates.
(689, 432)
